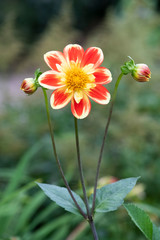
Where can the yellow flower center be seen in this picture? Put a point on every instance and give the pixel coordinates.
(76, 79)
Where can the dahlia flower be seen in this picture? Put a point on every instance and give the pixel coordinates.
(76, 76)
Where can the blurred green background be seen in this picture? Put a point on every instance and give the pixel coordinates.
(121, 28)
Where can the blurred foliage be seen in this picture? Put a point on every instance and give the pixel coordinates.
(88, 14)
(30, 17)
(132, 147)
(10, 45)
(24, 210)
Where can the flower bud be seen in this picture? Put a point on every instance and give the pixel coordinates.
(29, 86)
(141, 73)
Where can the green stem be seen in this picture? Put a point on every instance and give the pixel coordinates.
(90, 219)
(56, 156)
(104, 137)
(80, 168)
(93, 228)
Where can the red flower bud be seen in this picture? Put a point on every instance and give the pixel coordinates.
(141, 73)
(29, 86)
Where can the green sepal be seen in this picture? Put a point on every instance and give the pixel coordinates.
(37, 74)
(125, 70)
(128, 67)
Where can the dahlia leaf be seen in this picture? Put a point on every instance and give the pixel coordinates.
(141, 220)
(156, 232)
(111, 196)
(61, 196)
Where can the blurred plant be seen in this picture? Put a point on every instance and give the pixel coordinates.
(20, 217)
(10, 45)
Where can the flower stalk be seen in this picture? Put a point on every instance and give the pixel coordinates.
(80, 168)
(88, 216)
(56, 156)
(93, 228)
(103, 142)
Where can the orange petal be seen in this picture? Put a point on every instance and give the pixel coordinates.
(54, 59)
(60, 98)
(73, 52)
(92, 55)
(102, 75)
(50, 80)
(82, 109)
(99, 94)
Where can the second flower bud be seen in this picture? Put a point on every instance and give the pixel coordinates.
(140, 72)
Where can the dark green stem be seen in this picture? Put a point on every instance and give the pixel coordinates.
(93, 228)
(90, 219)
(104, 137)
(56, 156)
(80, 168)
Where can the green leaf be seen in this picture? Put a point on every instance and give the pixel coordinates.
(141, 220)
(148, 208)
(61, 196)
(156, 232)
(111, 196)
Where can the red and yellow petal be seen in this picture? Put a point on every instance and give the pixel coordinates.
(60, 98)
(73, 52)
(50, 80)
(99, 94)
(82, 109)
(102, 75)
(92, 55)
(54, 59)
